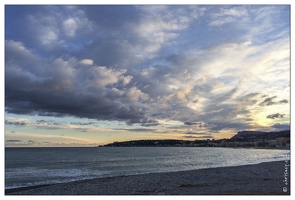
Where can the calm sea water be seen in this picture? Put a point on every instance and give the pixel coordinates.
(35, 166)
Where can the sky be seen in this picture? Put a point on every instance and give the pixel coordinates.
(88, 75)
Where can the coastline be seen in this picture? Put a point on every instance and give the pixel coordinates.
(269, 178)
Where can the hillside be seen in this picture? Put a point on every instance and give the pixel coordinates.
(241, 139)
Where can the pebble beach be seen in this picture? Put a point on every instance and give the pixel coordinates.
(270, 178)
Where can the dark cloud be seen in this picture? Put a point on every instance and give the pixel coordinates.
(13, 141)
(120, 63)
(48, 122)
(67, 88)
(16, 123)
(83, 124)
(149, 122)
(191, 123)
(283, 101)
(217, 126)
(41, 122)
(281, 126)
(277, 115)
(269, 101)
(198, 124)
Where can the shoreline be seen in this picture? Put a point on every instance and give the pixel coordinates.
(264, 178)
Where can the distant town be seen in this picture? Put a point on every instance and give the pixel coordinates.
(247, 139)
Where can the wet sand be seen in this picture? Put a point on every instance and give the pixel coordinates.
(271, 178)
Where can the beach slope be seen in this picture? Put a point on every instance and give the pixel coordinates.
(271, 178)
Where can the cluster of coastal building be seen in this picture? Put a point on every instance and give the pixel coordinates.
(280, 142)
(246, 139)
(280, 139)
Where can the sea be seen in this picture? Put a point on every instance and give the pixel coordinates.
(37, 166)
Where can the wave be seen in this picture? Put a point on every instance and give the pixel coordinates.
(130, 162)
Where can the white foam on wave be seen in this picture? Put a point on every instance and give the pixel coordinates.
(36, 176)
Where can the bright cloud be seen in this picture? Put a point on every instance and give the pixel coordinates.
(87, 62)
(70, 27)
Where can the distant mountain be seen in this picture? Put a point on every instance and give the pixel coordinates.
(147, 143)
(255, 135)
(249, 137)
